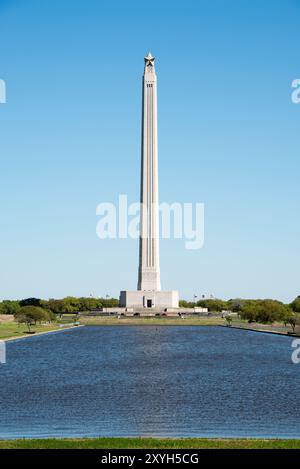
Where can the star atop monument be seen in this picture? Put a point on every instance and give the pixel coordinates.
(149, 59)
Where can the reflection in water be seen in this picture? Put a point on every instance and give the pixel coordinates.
(149, 381)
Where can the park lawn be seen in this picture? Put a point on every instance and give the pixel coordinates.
(12, 329)
(150, 321)
(149, 443)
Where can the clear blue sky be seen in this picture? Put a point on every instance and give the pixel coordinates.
(228, 137)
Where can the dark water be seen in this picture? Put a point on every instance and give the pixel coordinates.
(150, 381)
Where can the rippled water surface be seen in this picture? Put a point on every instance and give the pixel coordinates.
(150, 381)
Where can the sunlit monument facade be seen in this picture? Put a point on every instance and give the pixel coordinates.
(149, 293)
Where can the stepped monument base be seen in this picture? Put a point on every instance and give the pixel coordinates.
(149, 299)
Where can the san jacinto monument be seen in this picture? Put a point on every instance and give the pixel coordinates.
(149, 293)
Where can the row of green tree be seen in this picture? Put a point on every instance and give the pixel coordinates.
(235, 305)
(262, 311)
(69, 304)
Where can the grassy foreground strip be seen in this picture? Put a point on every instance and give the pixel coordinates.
(149, 443)
(11, 330)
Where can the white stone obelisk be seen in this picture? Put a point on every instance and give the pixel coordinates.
(149, 271)
(149, 294)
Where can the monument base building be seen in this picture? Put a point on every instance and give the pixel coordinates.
(140, 299)
(149, 295)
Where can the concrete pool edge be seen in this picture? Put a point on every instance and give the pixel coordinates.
(262, 331)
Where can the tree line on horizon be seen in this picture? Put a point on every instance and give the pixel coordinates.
(31, 311)
(265, 311)
(69, 304)
(262, 311)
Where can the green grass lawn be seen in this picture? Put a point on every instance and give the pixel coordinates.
(152, 321)
(150, 443)
(12, 329)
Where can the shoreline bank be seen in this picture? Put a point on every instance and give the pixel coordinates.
(188, 321)
(61, 329)
(263, 331)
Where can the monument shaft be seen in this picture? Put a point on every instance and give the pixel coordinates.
(149, 270)
(148, 295)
